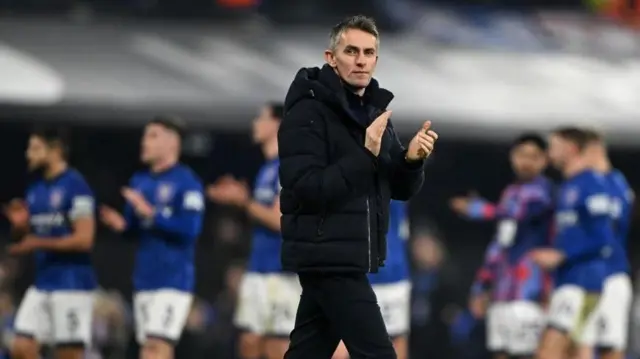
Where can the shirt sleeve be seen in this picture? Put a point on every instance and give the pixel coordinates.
(186, 220)
(82, 203)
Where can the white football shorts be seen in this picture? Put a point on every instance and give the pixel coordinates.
(394, 300)
(161, 314)
(570, 309)
(497, 322)
(268, 303)
(525, 322)
(56, 318)
(608, 327)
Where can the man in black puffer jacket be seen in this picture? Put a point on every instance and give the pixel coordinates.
(340, 164)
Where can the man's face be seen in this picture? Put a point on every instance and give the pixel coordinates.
(157, 141)
(355, 57)
(37, 153)
(265, 126)
(528, 160)
(559, 151)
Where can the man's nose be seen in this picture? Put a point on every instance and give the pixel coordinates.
(361, 60)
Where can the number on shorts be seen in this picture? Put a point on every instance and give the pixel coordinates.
(168, 317)
(72, 320)
(281, 310)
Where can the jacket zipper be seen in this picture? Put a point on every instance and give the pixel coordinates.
(368, 237)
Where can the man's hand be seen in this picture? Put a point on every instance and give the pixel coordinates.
(460, 205)
(112, 219)
(422, 143)
(229, 191)
(17, 213)
(547, 258)
(26, 245)
(137, 201)
(374, 133)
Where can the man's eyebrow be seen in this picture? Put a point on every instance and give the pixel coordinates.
(354, 47)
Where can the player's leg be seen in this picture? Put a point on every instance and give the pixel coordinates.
(28, 325)
(615, 310)
(527, 320)
(72, 313)
(250, 316)
(564, 314)
(496, 330)
(168, 312)
(283, 292)
(583, 345)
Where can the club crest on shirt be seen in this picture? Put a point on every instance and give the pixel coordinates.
(55, 198)
(164, 192)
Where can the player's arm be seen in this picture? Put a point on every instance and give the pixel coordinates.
(305, 170)
(186, 221)
(599, 234)
(480, 209)
(406, 177)
(81, 214)
(268, 216)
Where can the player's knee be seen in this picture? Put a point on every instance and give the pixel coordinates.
(275, 348)
(25, 348)
(401, 346)
(250, 346)
(157, 349)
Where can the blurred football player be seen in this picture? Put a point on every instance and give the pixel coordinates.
(523, 217)
(56, 222)
(607, 329)
(489, 298)
(582, 243)
(391, 284)
(268, 297)
(164, 210)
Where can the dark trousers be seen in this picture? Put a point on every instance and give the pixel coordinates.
(334, 307)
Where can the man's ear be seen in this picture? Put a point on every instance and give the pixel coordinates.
(329, 58)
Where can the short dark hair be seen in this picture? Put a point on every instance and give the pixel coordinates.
(594, 135)
(358, 22)
(170, 122)
(53, 137)
(578, 136)
(532, 138)
(277, 109)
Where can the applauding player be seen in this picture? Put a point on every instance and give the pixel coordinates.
(523, 223)
(268, 297)
(165, 206)
(57, 223)
(583, 243)
(607, 329)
